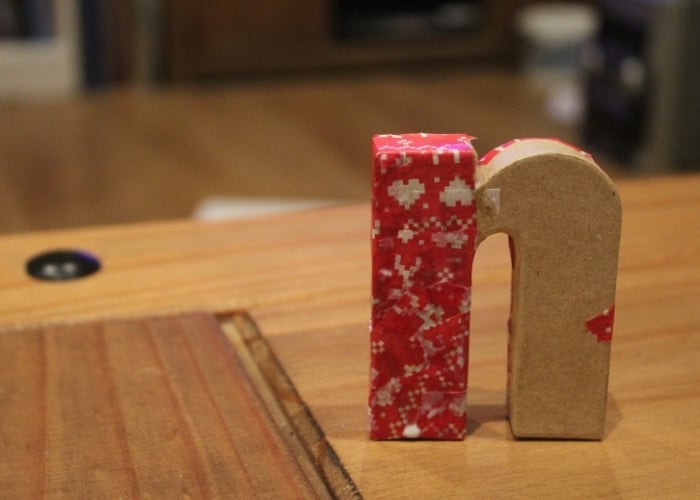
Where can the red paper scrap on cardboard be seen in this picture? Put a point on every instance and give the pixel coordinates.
(601, 325)
(423, 243)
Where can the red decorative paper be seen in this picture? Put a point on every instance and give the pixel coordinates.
(423, 243)
(601, 325)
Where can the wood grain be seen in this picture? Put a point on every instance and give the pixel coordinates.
(304, 279)
(157, 408)
(134, 156)
(265, 370)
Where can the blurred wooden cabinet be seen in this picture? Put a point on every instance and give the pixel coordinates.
(212, 38)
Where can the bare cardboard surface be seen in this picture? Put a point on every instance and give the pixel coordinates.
(563, 215)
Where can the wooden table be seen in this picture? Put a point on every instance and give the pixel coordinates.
(225, 359)
(101, 159)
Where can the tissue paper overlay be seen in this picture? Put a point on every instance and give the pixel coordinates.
(423, 243)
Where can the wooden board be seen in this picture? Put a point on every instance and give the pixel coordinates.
(304, 279)
(157, 408)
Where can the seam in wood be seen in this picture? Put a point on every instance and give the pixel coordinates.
(243, 334)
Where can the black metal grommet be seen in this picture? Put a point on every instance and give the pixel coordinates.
(62, 265)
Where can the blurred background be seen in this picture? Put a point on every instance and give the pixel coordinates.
(119, 111)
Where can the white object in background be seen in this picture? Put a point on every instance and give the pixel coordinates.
(558, 23)
(47, 67)
(554, 35)
(220, 208)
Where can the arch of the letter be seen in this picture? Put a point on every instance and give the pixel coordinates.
(562, 215)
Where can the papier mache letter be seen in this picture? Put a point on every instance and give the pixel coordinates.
(423, 243)
(562, 215)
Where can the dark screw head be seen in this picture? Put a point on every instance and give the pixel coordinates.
(62, 265)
